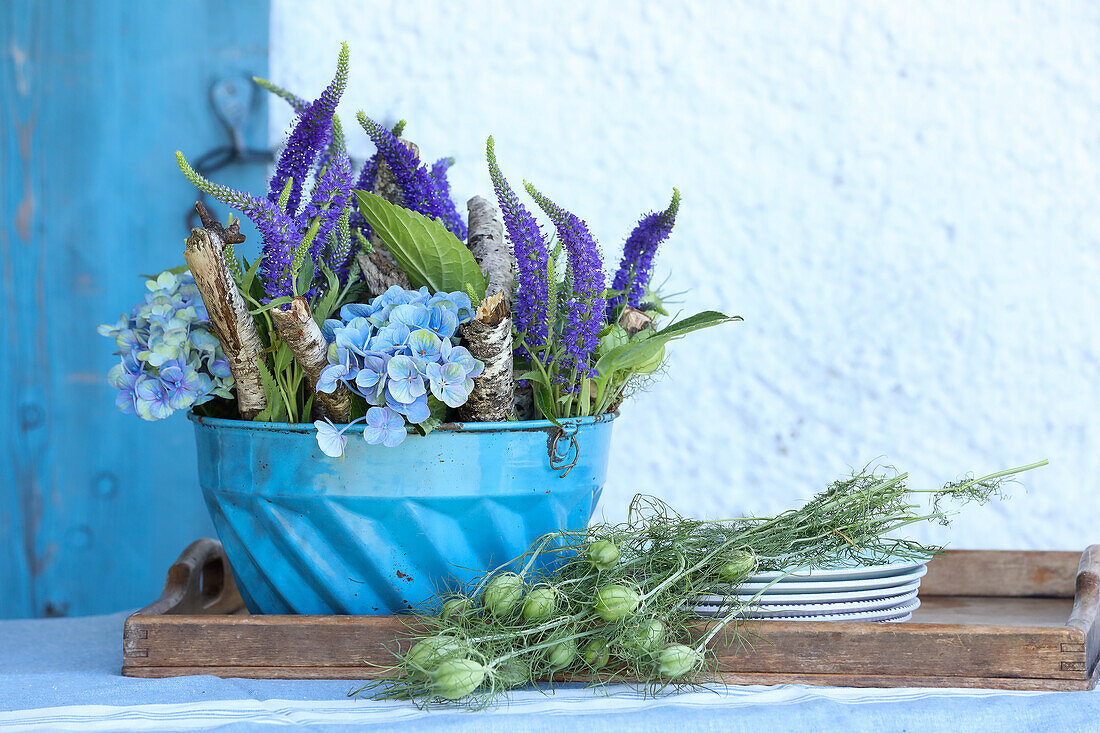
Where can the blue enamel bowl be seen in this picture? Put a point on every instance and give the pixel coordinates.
(384, 529)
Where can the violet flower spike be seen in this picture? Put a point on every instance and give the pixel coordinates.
(532, 299)
(584, 305)
(280, 233)
(308, 138)
(451, 218)
(331, 198)
(419, 192)
(639, 251)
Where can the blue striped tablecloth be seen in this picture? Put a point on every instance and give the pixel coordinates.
(62, 674)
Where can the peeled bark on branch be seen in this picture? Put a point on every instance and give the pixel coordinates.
(489, 335)
(486, 241)
(379, 269)
(633, 320)
(379, 273)
(229, 316)
(302, 336)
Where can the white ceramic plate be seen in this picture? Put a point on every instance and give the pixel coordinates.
(820, 609)
(829, 586)
(855, 573)
(817, 596)
(882, 614)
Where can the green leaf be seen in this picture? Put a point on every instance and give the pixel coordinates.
(585, 397)
(283, 358)
(636, 354)
(305, 276)
(250, 275)
(423, 248)
(276, 409)
(435, 419)
(544, 401)
(327, 304)
(535, 376)
(282, 300)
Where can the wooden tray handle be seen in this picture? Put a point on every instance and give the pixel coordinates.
(1086, 600)
(199, 582)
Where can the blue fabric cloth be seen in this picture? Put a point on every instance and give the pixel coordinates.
(63, 674)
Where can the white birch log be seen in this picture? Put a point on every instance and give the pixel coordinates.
(303, 337)
(486, 242)
(489, 335)
(229, 316)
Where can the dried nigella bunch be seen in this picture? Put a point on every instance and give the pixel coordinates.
(400, 354)
(169, 358)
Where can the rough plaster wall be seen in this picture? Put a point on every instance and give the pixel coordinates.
(901, 200)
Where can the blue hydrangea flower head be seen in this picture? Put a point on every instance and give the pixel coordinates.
(385, 350)
(169, 358)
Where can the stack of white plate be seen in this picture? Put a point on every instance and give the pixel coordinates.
(883, 592)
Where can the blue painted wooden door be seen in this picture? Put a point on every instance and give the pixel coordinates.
(96, 97)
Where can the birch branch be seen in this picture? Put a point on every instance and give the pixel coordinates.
(486, 241)
(379, 269)
(302, 336)
(228, 314)
(488, 336)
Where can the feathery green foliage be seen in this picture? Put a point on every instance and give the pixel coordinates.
(617, 601)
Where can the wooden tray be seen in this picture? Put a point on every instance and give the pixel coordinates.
(1000, 619)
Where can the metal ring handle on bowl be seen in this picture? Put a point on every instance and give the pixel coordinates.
(563, 462)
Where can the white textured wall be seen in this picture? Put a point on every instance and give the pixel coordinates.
(901, 199)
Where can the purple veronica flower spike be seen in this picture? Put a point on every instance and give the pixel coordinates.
(310, 135)
(532, 302)
(419, 192)
(638, 253)
(584, 305)
(451, 218)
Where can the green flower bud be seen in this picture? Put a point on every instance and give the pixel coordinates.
(645, 638)
(456, 678)
(562, 653)
(539, 604)
(602, 554)
(428, 652)
(456, 606)
(503, 594)
(512, 673)
(596, 653)
(676, 660)
(615, 602)
(737, 568)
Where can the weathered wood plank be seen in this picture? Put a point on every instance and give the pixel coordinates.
(96, 98)
(1021, 642)
(1002, 573)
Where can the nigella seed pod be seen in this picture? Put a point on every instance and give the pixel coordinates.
(562, 653)
(455, 607)
(615, 602)
(427, 652)
(645, 638)
(596, 653)
(503, 594)
(539, 604)
(737, 567)
(512, 673)
(456, 678)
(676, 660)
(602, 554)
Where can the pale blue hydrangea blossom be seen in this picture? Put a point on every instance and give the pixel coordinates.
(395, 352)
(169, 359)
